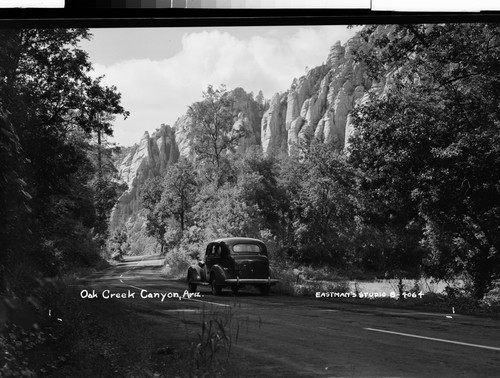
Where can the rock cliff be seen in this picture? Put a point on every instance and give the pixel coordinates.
(273, 130)
(247, 117)
(317, 106)
(182, 135)
(149, 158)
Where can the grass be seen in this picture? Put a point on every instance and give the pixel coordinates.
(79, 340)
(435, 295)
(294, 282)
(68, 336)
(211, 349)
(98, 338)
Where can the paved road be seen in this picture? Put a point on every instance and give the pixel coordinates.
(289, 336)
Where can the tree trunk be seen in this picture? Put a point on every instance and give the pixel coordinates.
(99, 154)
(481, 270)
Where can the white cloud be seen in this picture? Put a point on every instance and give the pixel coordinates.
(159, 91)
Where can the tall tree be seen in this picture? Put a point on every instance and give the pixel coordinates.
(258, 180)
(106, 183)
(15, 201)
(212, 130)
(261, 101)
(179, 193)
(49, 95)
(430, 147)
(168, 202)
(324, 205)
(151, 193)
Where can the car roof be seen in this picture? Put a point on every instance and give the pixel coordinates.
(236, 240)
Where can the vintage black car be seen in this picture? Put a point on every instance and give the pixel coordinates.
(234, 263)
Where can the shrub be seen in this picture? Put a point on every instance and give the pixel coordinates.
(210, 345)
(307, 281)
(491, 300)
(180, 258)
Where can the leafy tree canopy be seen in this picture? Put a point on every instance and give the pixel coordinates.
(54, 107)
(429, 149)
(212, 130)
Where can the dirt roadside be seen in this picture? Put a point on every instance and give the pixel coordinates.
(113, 338)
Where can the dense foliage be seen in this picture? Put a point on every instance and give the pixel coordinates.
(55, 117)
(212, 134)
(429, 150)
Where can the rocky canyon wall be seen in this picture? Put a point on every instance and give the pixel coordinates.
(149, 158)
(317, 106)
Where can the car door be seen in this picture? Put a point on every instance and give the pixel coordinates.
(209, 259)
(207, 262)
(213, 257)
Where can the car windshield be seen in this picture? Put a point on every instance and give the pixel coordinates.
(247, 249)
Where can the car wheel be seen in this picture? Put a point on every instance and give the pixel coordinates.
(264, 290)
(191, 285)
(216, 289)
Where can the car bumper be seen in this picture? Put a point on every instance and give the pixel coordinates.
(251, 281)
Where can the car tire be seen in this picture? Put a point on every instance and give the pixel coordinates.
(191, 285)
(264, 290)
(216, 289)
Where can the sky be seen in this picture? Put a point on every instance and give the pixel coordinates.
(160, 71)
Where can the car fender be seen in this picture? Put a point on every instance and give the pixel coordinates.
(219, 274)
(196, 272)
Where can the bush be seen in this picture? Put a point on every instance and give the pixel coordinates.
(288, 281)
(307, 281)
(491, 300)
(212, 348)
(139, 243)
(310, 288)
(179, 259)
(460, 299)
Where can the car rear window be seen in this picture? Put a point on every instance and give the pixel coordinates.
(250, 249)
